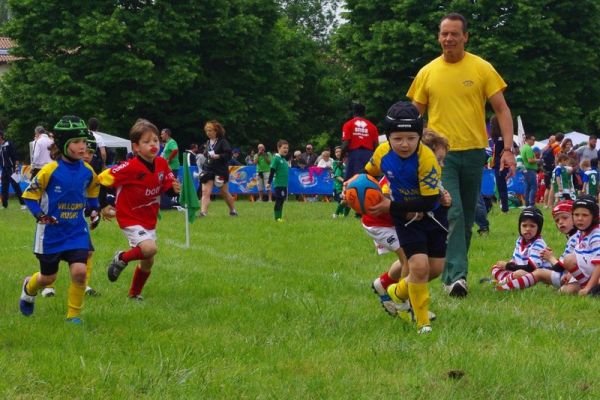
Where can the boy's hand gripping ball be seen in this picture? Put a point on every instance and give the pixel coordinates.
(362, 192)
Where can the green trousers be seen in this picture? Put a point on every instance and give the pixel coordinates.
(461, 177)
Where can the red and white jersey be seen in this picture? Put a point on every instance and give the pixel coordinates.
(138, 190)
(380, 220)
(360, 132)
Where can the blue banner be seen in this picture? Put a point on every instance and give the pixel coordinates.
(244, 180)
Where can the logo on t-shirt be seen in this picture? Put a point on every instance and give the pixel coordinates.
(361, 128)
(468, 83)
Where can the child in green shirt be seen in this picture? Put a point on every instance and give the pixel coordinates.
(339, 171)
(280, 172)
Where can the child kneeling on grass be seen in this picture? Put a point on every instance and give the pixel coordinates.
(414, 175)
(583, 263)
(57, 197)
(139, 183)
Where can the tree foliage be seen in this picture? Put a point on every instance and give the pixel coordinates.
(547, 51)
(176, 63)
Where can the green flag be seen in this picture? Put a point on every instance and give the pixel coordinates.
(188, 197)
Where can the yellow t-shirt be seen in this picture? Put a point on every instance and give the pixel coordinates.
(455, 95)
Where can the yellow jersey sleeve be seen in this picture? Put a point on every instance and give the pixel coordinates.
(93, 189)
(373, 167)
(106, 178)
(39, 183)
(429, 172)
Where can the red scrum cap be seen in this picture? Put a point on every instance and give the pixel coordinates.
(563, 206)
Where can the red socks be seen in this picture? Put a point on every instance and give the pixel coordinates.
(139, 280)
(133, 254)
(386, 280)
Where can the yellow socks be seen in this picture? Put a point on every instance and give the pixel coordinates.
(75, 302)
(33, 286)
(419, 299)
(88, 270)
(398, 291)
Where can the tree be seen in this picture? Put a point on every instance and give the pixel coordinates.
(178, 64)
(318, 17)
(548, 61)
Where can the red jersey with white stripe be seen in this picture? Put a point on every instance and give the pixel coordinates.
(139, 185)
(360, 132)
(380, 220)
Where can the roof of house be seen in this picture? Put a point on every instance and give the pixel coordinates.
(5, 46)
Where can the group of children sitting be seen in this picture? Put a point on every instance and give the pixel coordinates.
(532, 261)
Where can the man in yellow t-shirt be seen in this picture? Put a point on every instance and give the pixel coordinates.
(453, 90)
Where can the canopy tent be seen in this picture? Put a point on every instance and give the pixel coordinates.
(576, 138)
(115, 141)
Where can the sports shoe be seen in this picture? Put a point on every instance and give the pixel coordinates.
(457, 289)
(48, 292)
(137, 297)
(334, 216)
(90, 291)
(386, 301)
(74, 321)
(280, 220)
(483, 231)
(116, 266)
(23, 207)
(405, 312)
(424, 329)
(233, 213)
(26, 302)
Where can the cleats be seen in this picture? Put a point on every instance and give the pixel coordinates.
(48, 292)
(457, 289)
(74, 321)
(202, 214)
(137, 297)
(280, 220)
(26, 302)
(424, 329)
(233, 213)
(116, 266)
(90, 291)
(403, 307)
(386, 301)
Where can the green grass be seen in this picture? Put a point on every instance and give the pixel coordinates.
(262, 310)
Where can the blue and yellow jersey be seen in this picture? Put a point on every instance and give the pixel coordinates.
(409, 178)
(62, 189)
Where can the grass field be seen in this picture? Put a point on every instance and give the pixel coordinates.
(256, 309)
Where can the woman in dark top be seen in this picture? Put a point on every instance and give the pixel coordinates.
(500, 176)
(215, 171)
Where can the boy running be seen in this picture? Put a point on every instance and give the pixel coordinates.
(57, 197)
(414, 174)
(139, 183)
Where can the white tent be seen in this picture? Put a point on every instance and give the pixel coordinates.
(576, 138)
(115, 141)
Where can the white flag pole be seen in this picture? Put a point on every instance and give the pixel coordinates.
(187, 229)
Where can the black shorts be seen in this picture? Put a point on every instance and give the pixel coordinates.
(206, 176)
(547, 179)
(425, 236)
(49, 262)
(280, 192)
